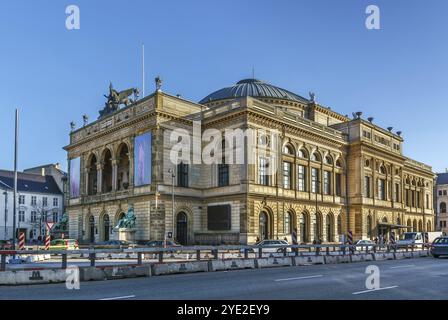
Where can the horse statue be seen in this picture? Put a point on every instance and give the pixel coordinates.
(128, 221)
(115, 99)
(62, 224)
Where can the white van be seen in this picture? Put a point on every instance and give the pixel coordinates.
(417, 238)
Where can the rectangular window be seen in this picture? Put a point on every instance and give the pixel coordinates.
(314, 180)
(223, 175)
(21, 199)
(55, 217)
(287, 175)
(219, 218)
(33, 216)
(44, 216)
(327, 182)
(55, 202)
(182, 175)
(440, 192)
(338, 184)
(427, 201)
(381, 189)
(418, 199)
(301, 178)
(397, 192)
(367, 187)
(21, 216)
(444, 192)
(44, 201)
(33, 200)
(263, 171)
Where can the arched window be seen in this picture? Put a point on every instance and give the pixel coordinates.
(338, 163)
(329, 160)
(315, 157)
(382, 169)
(288, 223)
(442, 207)
(123, 167)
(318, 226)
(264, 227)
(330, 228)
(92, 176)
(107, 171)
(339, 224)
(303, 154)
(106, 227)
(288, 150)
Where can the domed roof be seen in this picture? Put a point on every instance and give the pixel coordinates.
(253, 88)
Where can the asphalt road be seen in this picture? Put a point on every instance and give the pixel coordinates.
(423, 278)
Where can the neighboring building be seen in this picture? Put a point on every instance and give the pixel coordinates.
(441, 201)
(335, 173)
(39, 200)
(54, 170)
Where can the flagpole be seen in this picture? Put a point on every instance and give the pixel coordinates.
(15, 182)
(143, 70)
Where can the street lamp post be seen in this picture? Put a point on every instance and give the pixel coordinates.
(6, 214)
(171, 171)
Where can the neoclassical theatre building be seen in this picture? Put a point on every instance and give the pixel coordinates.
(335, 173)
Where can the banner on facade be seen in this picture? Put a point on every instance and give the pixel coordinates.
(142, 159)
(75, 174)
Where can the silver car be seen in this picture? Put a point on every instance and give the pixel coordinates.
(439, 247)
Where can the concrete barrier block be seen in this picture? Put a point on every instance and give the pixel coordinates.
(274, 262)
(337, 259)
(309, 260)
(384, 256)
(179, 267)
(231, 264)
(91, 274)
(27, 277)
(404, 255)
(421, 254)
(122, 272)
(361, 257)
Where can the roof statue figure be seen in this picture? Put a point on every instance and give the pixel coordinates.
(115, 99)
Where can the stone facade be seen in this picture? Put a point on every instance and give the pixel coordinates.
(335, 174)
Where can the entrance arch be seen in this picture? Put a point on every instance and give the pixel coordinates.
(106, 228)
(264, 226)
(91, 229)
(182, 228)
(304, 228)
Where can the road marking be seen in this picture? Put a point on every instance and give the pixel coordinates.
(367, 291)
(118, 298)
(299, 278)
(406, 266)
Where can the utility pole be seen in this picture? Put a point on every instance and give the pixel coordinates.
(172, 199)
(15, 182)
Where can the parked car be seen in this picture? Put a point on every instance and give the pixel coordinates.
(64, 244)
(5, 244)
(162, 244)
(439, 247)
(273, 246)
(363, 244)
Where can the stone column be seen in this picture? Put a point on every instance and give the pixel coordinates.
(99, 178)
(86, 179)
(114, 174)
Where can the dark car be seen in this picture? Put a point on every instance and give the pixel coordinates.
(439, 247)
(113, 244)
(162, 244)
(5, 244)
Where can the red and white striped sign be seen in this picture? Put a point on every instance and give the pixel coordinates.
(22, 241)
(294, 236)
(350, 238)
(47, 242)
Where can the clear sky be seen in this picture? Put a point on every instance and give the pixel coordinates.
(397, 74)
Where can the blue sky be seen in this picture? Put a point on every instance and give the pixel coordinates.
(397, 74)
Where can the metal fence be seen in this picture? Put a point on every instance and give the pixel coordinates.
(210, 252)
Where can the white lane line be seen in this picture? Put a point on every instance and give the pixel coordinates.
(406, 266)
(118, 298)
(367, 291)
(299, 278)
